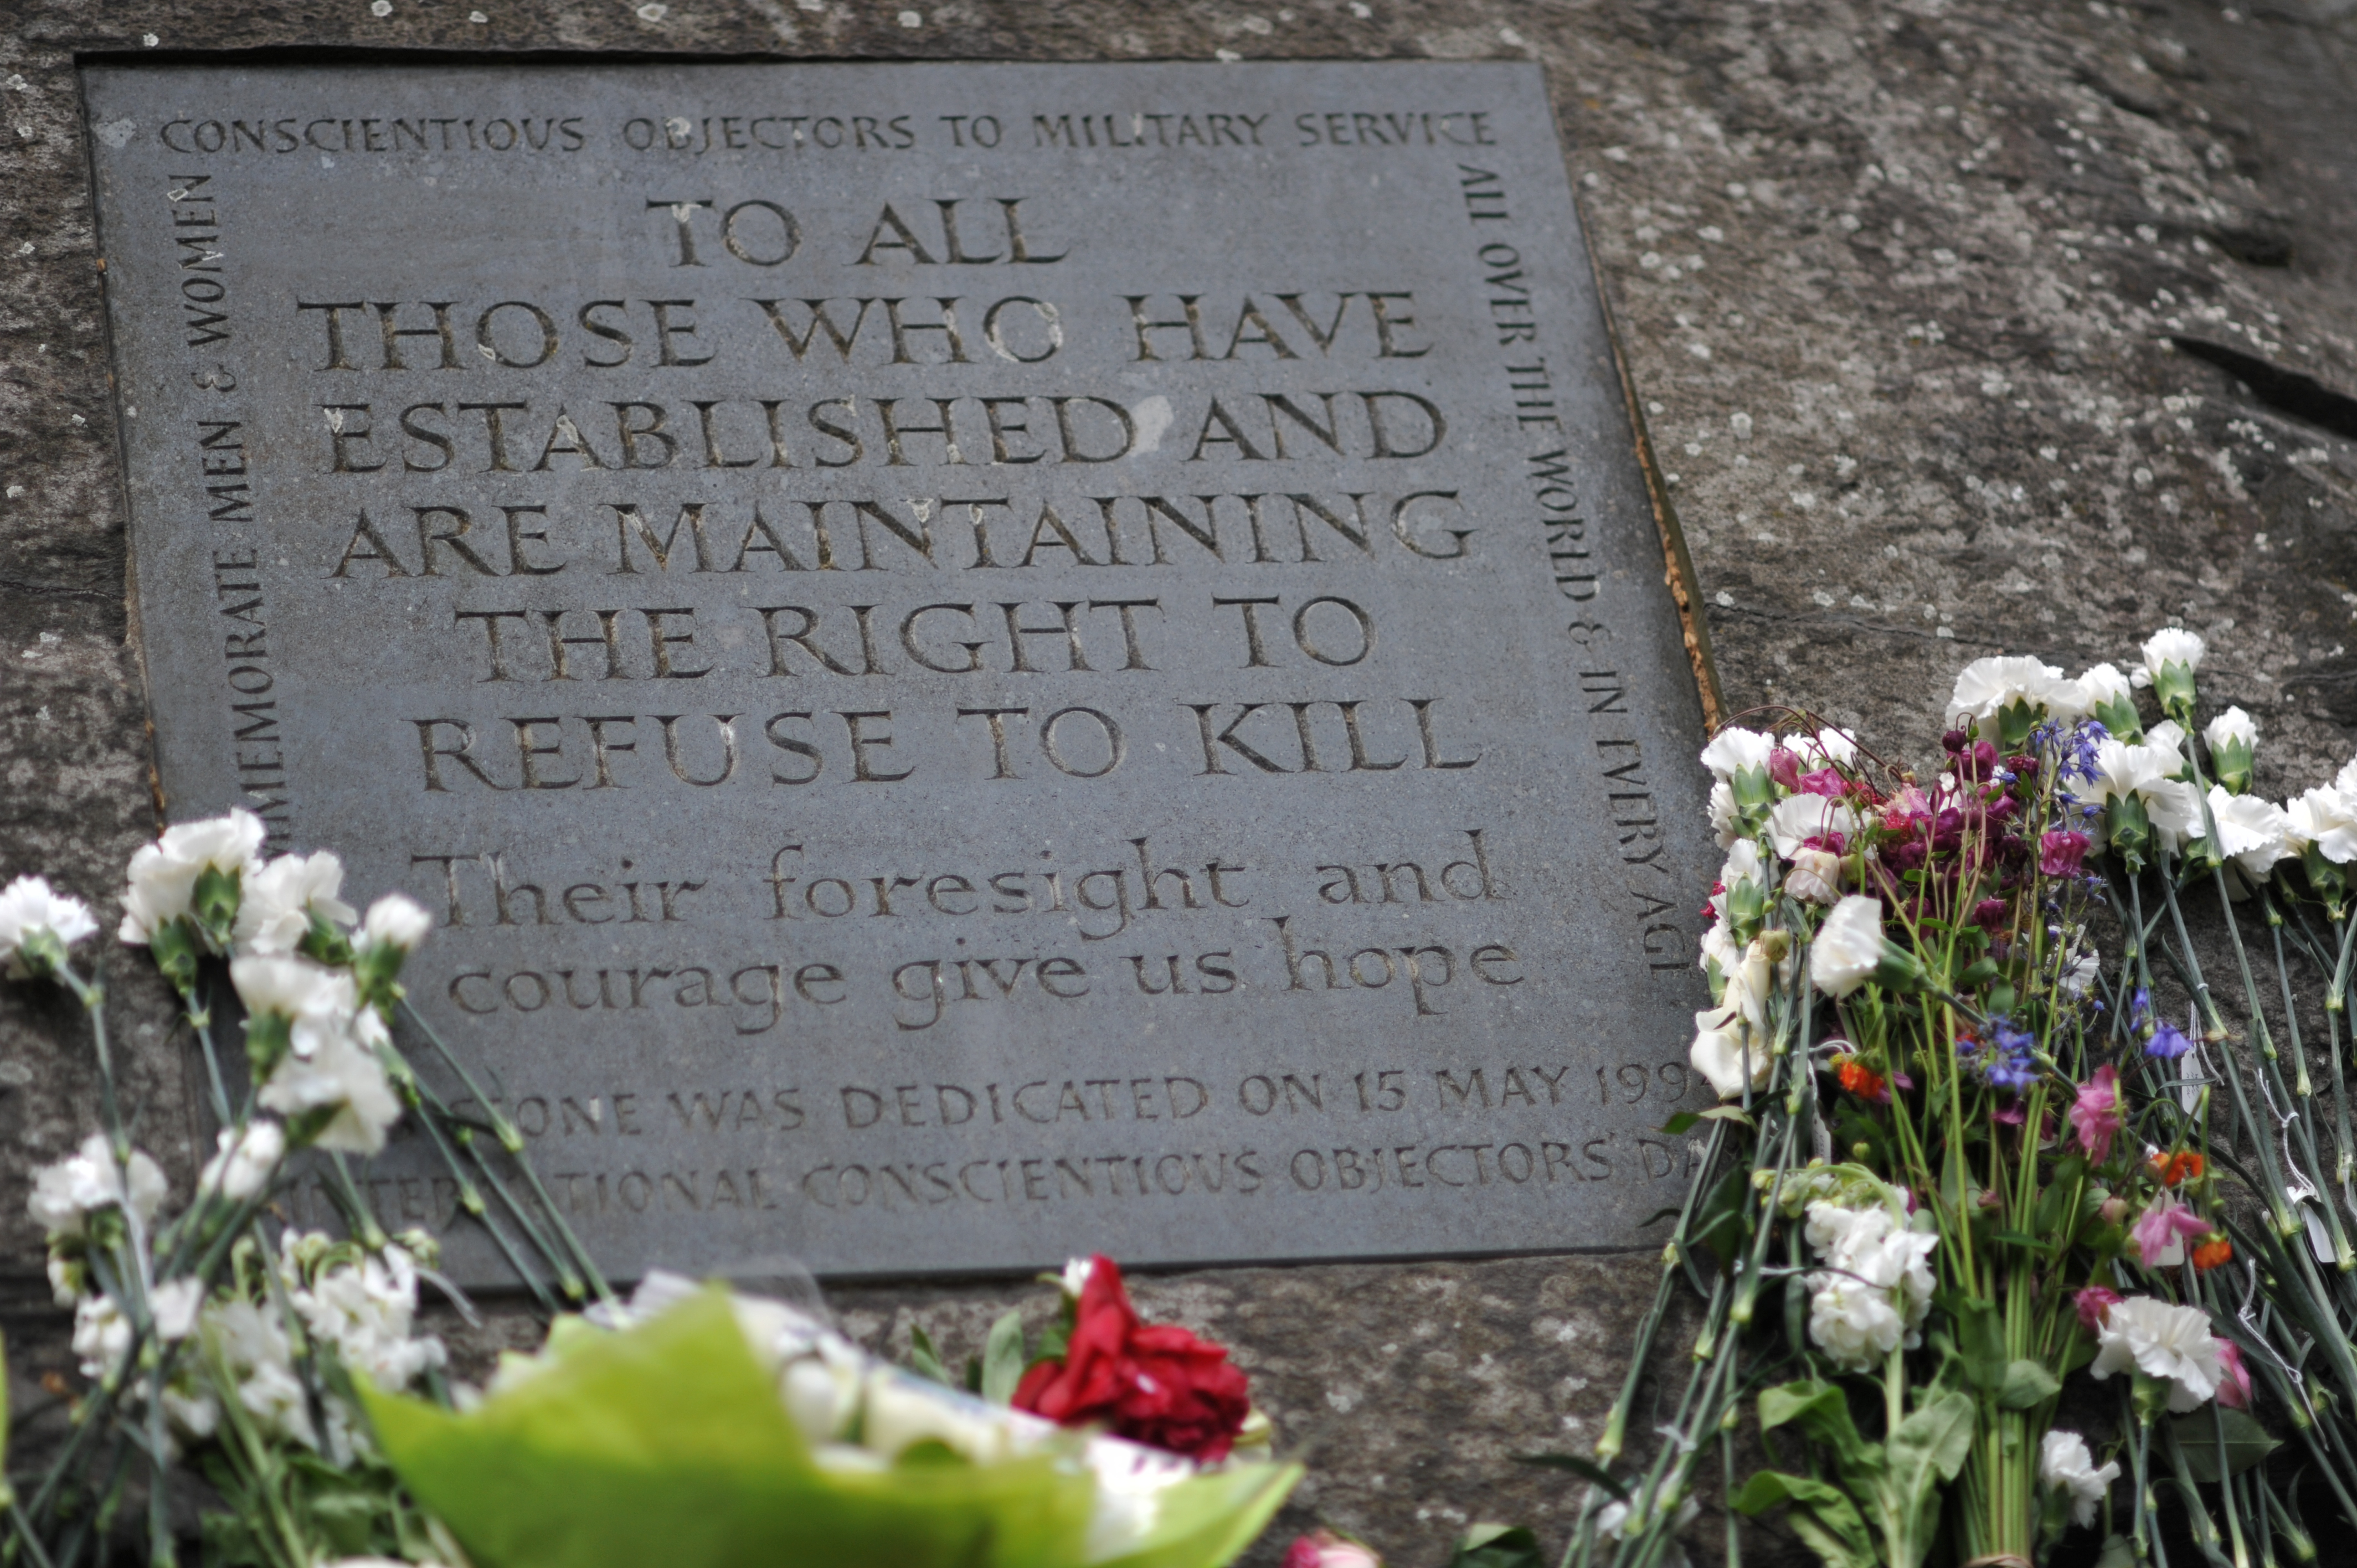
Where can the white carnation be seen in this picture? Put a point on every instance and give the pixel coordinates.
(1986, 687)
(29, 904)
(2252, 832)
(163, 875)
(1828, 747)
(2170, 645)
(394, 920)
(2169, 1344)
(1798, 818)
(2327, 818)
(318, 1002)
(65, 1194)
(2101, 684)
(244, 1161)
(2175, 808)
(101, 1337)
(1876, 1288)
(2233, 725)
(278, 900)
(1732, 751)
(175, 1303)
(1718, 1053)
(2064, 1464)
(1815, 878)
(2148, 775)
(342, 1073)
(1849, 946)
(257, 1353)
(366, 1310)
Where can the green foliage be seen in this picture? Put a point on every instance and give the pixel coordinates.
(1897, 1480)
(1497, 1546)
(925, 1360)
(2026, 1384)
(1002, 1359)
(1586, 1469)
(2245, 1442)
(669, 1443)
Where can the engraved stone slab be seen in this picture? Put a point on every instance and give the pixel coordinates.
(977, 662)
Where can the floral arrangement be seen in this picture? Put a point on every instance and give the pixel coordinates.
(1970, 1170)
(279, 1380)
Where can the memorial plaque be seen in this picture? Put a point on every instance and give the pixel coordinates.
(977, 662)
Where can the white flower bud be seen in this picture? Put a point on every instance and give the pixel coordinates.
(278, 899)
(29, 904)
(398, 921)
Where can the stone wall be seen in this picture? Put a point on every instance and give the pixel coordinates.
(1898, 285)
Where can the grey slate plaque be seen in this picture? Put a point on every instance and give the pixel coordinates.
(978, 662)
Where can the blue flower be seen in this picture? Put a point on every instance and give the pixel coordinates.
(2013, 1062)
(2168, 1042)
(2140, 1008)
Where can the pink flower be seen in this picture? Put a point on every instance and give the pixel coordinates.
(2062, 854)
(2096, 1115)
(2093, 1303)
(1908, 809)
(2235, 1388)
(1784, 768)
(2161, 1228)
(1324, 1549)
(1825, 781)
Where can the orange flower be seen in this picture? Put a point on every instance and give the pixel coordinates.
(1863, 1081)
(2217, 1250)
(2171, 1170)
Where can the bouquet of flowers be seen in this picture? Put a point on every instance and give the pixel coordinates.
(278, 1380)
(1972, 1166)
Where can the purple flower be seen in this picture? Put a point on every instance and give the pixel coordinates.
(1784, 768)
(2168, 1042)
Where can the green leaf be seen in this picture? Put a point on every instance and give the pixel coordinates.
(1201, 1522)
(1497, 1546)
(1725, 1218)
(924, 1360)
(2055, 1205)
(2246, 1443)
(1927, 1448)
(1821, 1515)
(667, 1442)
(1586, 1469)
(1979, 1339)
(1683, 1122)
(1821, 1411)
(1002, 1359)
(2026, 1383)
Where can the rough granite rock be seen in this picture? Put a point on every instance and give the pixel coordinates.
(1897, 283)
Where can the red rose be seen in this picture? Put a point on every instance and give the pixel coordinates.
(1151, 1383)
